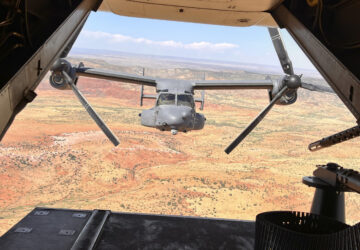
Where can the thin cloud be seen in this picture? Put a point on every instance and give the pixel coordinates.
(119, 38)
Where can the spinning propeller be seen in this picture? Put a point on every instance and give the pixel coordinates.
(286, 89)
(64, 77)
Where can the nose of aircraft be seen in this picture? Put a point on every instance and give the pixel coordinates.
(186, 114)
(174, 117)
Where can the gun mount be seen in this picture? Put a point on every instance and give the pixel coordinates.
(331, 182)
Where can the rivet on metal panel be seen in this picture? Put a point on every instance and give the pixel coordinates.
(23, 230)
(243, 20)
(42, 213)
(79, 215)
(67, 232)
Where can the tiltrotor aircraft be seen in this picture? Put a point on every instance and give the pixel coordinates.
(34, 34)
(175, 103)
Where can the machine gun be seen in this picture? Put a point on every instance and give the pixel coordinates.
(331, 182)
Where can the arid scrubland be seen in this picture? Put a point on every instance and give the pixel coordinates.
(55, 156)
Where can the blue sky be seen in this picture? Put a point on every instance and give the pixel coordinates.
(147, 36)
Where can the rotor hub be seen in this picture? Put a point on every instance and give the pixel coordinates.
(293, 81)
(61, 65)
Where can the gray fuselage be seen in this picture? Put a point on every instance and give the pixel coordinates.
(174, 111)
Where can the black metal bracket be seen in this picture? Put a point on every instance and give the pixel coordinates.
(97, 5)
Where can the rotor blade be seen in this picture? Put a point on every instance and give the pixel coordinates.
(234, 84)
(255, 122)
(92, 112)
(285, 61)
(318, 88)
(115, 76)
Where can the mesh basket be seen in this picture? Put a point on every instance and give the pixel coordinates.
(295, 230)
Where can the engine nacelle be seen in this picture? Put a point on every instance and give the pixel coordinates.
(288, 98)
(199, 121)
(148, 117)
(57, 79)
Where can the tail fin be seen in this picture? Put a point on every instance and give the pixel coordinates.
(201, 100)
(142, 96)
(269, 91)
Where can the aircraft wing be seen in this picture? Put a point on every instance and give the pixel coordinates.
(234, 84)
(115, 76)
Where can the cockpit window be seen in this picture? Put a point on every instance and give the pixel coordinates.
(166, 99)
(185, 100)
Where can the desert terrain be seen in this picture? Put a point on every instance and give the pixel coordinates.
(54, 155)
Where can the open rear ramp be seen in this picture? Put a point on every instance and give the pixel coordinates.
(48, 228)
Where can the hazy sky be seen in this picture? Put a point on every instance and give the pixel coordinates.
(147, 36)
